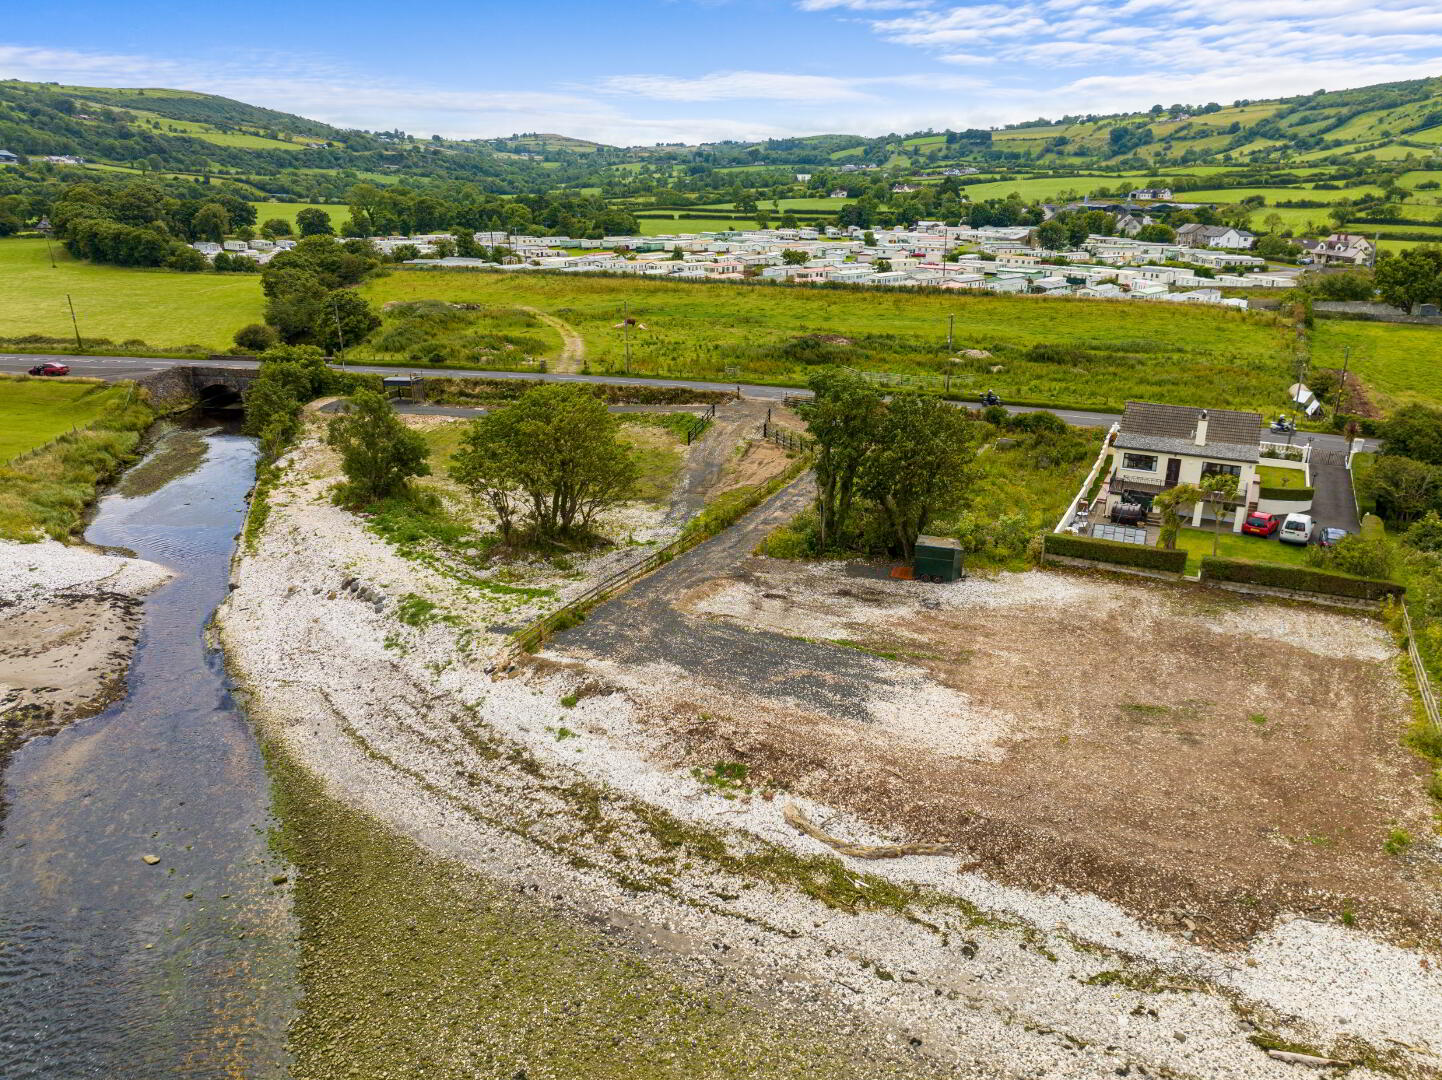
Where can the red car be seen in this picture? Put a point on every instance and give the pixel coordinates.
(50, 369)
(1261, 524)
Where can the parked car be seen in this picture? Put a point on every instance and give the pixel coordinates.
(1331, 536)
(1296, 529)
(50, 369)
(1260, 524)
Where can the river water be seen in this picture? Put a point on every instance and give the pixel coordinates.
(110, 967)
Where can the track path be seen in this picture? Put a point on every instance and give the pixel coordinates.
(573, 346)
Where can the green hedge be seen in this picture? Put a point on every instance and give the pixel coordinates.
(1300, 578)
(1286, 494)
(1113, 551)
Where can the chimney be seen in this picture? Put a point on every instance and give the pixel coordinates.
(1201, 436)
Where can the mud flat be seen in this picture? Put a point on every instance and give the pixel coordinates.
(629, 786)
(68, 623)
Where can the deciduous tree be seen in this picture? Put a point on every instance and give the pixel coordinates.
(379, 454)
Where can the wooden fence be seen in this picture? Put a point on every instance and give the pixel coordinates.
(787, 440)
(534, 636)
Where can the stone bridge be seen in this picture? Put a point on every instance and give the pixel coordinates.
(210, 387)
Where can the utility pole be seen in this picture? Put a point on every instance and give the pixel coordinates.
(74, 322)
(1342, 386)
(339, 334)
(626, 331)
(950, 328)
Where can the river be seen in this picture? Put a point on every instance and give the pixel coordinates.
(111, 967)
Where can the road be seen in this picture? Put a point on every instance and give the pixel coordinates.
(129, 367)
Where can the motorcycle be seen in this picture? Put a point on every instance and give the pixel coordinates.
(1283, 426)
(990, 398)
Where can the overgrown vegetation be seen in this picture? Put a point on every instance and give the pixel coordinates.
(45, 494)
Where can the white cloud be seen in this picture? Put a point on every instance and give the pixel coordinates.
(735, 85)
(861, 5)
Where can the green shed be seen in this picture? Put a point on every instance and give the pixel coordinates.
(938, 558)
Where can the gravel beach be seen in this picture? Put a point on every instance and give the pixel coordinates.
(561, 784)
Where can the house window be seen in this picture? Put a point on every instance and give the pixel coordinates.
(1140, 462)
(1212, 468)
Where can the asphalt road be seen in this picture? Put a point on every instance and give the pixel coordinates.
(128, 367)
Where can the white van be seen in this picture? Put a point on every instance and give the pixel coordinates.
(1297, 529)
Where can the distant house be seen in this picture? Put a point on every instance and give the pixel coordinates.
(803, 177)
(7, 157)
(1341, 249)
(1161, 446)
(1216, 236)
(1151, 195)
(903, 189)
(1131, 224)
(839, 193)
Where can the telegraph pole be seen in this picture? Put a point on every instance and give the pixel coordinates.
(950, 328)
(74, 322)
(339, 334)
(626, 331)
(1342, 386)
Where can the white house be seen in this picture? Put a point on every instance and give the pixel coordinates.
(1160, 446)
(1217, 236)
(1152, 195)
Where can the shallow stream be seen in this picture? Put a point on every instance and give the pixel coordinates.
(109, 966)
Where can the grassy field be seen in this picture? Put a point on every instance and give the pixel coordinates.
(1397, 362)
(264, 211)
(666, 226)
(160, 307)
(34, 411)
(1174, 353)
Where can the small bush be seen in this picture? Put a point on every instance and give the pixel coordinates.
(1397, 842)
(1299, 578)
(257, 337)
(1112, 551)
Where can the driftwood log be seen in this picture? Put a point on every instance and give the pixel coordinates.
(799, 821)
(1303, 1059)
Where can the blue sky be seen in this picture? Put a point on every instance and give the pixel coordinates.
(649, 71)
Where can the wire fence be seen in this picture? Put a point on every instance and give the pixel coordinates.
(64, 436)
(1424, 684)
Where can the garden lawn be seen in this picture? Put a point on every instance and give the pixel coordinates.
(161, 308)
(34, 411)
(1275, 476)
(1197, 543)
(1397, 362)
(1181, 354)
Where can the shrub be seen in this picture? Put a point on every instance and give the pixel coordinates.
(1285, 494)
(257, 337)
(1302, 579)
(1111, 551)
(1359, 556)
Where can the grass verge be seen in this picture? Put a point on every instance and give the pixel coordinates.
(46, 493)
